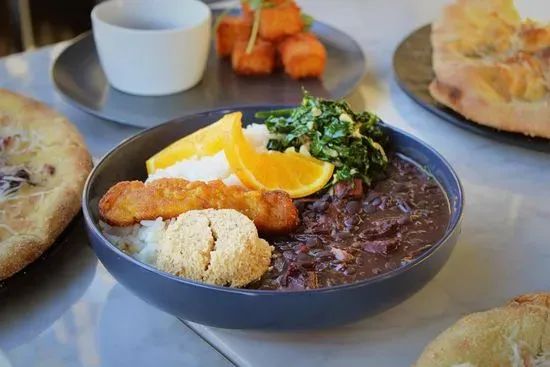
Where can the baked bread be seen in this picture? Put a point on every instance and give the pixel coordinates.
(43, 166)
(216, 246)
(515, 335)
(493, 67)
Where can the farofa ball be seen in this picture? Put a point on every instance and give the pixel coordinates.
(219, 247)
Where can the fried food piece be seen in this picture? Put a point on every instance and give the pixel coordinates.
(230, 30)
(129, 202)
(218, 247)
(261, 61)
(303, 56)
(246, 9)
(280, 21)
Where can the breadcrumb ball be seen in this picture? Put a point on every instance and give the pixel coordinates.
(215, 246)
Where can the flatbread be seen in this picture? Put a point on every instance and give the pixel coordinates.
(514, 335)
(44, 163)
(493, 67)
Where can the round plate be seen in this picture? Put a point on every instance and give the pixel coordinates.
(412, 64)
(78, 76)
(74, 233)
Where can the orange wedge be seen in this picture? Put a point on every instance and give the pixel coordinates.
(295, 173)
(204, 142)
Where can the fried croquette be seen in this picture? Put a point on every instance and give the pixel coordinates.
(280, 21)
(229, 31)
(218, 247)
(261, 61)
(129, 202)
(303, 56)
(246, 9)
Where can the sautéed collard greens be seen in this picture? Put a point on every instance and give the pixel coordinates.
(331, 131)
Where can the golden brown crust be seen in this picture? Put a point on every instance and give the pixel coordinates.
(523, 117)
(230, 30)
(511, 335)
(491, 67)
(303, 56)
(280, 21)
(45, 219)
(129, 202)
(261, 61)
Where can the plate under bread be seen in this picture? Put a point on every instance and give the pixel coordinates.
(412, 63)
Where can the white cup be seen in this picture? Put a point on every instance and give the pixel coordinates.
(152, 47)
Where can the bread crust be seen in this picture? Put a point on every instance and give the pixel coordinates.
(67, 150)
(491, 67)
(517, 331)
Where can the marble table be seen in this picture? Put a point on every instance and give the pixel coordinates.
(79, 316)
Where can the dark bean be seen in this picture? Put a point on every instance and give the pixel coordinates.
(376, 202)
(305, 261)
(369, 209)
(320, 206)
(353, 207)
(289, 255)
(313, 242)
(359, 261)
(322, 254)
(343, 235)
(403, 206)
(349, 221)
(293, 269)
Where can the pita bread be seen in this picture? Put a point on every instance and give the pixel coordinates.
(515, 335)
(43, 167)
(492, 67)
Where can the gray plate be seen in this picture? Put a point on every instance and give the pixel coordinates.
(412, 63)
(78, 76)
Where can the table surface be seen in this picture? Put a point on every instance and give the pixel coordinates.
(79, 316)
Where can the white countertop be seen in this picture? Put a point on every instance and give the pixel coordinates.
(79, 316)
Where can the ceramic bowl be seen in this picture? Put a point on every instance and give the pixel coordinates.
(258, 309)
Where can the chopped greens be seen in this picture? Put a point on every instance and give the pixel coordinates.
(331, 131)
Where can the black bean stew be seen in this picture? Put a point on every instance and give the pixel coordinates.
(357, 233)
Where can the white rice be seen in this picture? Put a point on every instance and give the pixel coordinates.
(141, 240)
(214, 167)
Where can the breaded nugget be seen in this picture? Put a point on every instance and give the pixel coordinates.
(280, 21)
(303, 56)
(261, 61)
(219, 247)
(129, 202)
(229, 31)
(246, 9)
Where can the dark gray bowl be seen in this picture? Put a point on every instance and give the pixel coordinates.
(255, 309)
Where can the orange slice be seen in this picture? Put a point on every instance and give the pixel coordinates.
(204, 142)
(295, 173)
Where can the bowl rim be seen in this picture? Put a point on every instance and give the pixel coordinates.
(452, 229)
